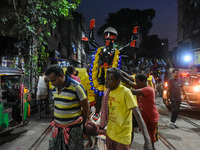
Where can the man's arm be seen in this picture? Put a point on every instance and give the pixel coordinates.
(128, 79)
(127, 76)
(137, 92)
(143, 127)
(85, 109)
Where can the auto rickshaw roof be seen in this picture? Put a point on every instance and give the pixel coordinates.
(10, 71)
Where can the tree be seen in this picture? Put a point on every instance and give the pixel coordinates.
(35, 21)
(151, 46)
(124, 21)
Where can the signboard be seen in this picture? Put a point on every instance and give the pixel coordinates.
(197, 58)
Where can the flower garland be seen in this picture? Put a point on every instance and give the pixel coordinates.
(93, 74)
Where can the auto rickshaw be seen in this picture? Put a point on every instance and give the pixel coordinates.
(14, 99)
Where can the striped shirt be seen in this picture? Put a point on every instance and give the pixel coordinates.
(66, 103)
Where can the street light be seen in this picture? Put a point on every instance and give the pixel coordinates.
(187, 58)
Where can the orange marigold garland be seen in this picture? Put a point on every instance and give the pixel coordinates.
(93, 74)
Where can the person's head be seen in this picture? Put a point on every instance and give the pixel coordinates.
(137, 72)
(113, 78)
(141, 80)
(175, 73)
(42, 74)
(148, 74)
(55, 75)
(71, 70)
(143, 71)
(77, 72)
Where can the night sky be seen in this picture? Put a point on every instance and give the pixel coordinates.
(164, 23)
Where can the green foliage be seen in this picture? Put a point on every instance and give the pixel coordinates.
(35, 21)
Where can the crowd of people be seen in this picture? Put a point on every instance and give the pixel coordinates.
(157, 72)
(128, 99)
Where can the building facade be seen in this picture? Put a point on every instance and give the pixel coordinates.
(188, 29)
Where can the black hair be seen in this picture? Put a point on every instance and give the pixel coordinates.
(70, 69)
(141, 77)
(116, 72)
(175, 70)
(57, 70)
(77, 72)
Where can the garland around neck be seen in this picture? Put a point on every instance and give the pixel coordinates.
(94, 67)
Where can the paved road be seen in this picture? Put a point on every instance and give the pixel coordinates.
(185, 138)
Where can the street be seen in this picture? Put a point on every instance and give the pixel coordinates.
(35, 135)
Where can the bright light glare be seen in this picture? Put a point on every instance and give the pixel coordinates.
(165, 84)
(165, 92)
(187, 58)
(197, 88)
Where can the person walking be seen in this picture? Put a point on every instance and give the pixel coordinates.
(42, 94)
(120, 103)
(70, 111)
(174, 88)
(151, 81)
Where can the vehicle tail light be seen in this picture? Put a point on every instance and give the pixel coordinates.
(165, 85)
(185, 74)
(165, 92)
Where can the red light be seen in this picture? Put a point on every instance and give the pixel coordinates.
(184, 74)
(165, 84)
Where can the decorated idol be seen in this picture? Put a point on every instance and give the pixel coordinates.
(105, 57)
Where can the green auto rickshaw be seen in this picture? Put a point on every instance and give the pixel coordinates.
(14, 99)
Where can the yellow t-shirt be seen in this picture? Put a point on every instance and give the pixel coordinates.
(134, 77)
(120, 103)
(149, 81)
(85, 82)
(126, 85)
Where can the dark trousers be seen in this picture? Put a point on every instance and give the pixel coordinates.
(175, 109)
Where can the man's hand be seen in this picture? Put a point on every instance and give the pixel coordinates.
(85, 109)
(142, 125)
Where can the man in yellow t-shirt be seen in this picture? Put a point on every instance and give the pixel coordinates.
(86, 84)
(121, 104)
(151, 81)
